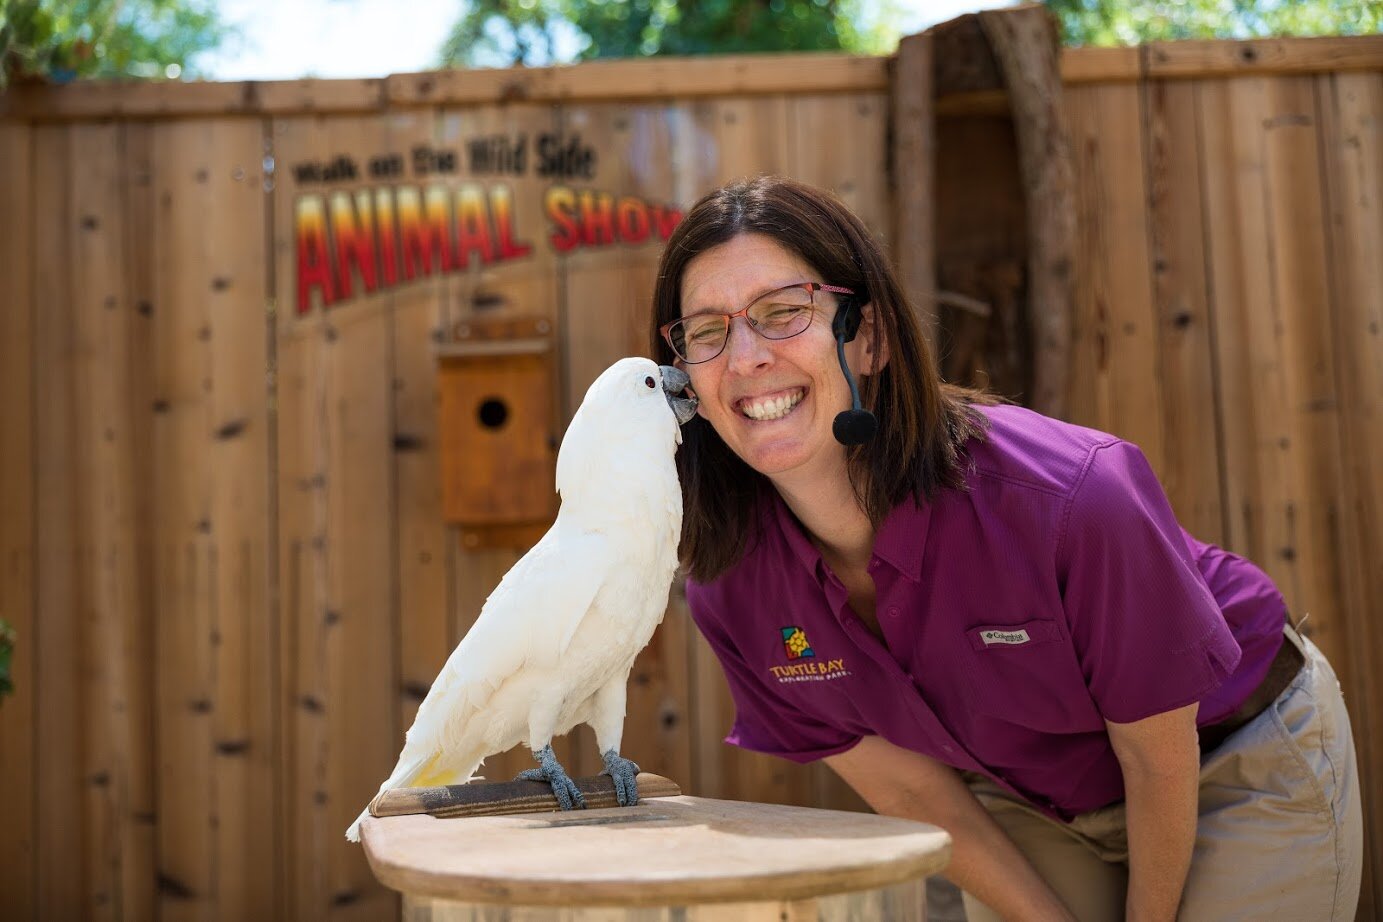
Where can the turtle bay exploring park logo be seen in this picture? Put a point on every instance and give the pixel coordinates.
(795, 642)
(798, 650)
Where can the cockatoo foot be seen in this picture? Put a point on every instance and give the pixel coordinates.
(622, 771)
(549, 770)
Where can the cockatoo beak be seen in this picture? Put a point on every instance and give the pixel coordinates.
(675, 381)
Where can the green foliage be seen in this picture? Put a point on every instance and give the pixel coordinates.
(65, 39)
(508, 32)
(7, 641)
(1120, 22)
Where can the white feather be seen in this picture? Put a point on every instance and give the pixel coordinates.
(556, 639)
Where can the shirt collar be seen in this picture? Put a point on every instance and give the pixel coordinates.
(900, 540)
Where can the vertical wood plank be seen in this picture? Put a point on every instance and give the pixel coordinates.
(1351, 108)
(243, 637)
(139, 650)
(1252, 389)
(840, 143)
(337, 521)
(118, 773)
(1281, 412)
(18, 847)
(419, 315)
(1114, 352)
(1190, 473)
(717, 140)
(184, 548)
(61, 855)
(1302, 296)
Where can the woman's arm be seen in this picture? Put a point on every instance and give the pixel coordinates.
(1161, 764)
(984, 861)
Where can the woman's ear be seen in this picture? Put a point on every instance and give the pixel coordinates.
(873, 343)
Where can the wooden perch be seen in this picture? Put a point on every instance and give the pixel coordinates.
(494, 798)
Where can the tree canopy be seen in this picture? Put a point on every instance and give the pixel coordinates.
(1120, 22)
(65, 39)
(508, 32)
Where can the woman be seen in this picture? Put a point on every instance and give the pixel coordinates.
(981, 617)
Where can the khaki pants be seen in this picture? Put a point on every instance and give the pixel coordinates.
(1280, 832)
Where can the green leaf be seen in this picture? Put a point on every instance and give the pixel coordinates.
(7, 642)
(70, 39)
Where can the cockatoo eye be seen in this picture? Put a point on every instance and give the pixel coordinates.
(650, 382)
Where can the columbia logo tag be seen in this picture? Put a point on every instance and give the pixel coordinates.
(1008, 637)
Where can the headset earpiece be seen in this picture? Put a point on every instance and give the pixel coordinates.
(846, 322)
(856, 425)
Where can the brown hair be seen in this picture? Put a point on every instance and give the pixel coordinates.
(924, 422)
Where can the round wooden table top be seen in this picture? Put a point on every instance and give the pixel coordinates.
(668, 851)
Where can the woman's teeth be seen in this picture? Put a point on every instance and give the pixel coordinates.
(772, 407)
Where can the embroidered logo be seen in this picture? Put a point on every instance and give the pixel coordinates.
(806, 666)
(795, 642)
(1011, 638)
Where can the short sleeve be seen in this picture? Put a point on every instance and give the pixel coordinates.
(764, 721)
(1148, 632)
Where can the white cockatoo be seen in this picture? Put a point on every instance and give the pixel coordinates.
(555, 641)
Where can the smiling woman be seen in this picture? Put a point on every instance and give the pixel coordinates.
(983, 618)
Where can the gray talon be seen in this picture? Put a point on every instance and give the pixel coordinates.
(622, 772)
(569, 796)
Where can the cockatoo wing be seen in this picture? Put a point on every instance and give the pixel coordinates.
(529, 619)
(526, 624)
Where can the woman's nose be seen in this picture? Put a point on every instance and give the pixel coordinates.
(745, 349)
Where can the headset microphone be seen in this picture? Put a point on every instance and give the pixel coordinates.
(856, 425)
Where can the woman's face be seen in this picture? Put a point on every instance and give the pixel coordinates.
(745, 390)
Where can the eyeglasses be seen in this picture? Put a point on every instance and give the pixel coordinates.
(779, 314)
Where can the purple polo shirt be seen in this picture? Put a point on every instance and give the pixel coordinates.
(1058, 592)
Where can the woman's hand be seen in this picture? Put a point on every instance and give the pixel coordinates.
(984, 861)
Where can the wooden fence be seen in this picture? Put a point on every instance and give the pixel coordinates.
(219, 482)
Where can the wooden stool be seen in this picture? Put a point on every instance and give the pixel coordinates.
(667, 858)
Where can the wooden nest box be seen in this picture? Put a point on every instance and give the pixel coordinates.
(498, 440)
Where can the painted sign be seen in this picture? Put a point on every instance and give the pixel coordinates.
(358, 241)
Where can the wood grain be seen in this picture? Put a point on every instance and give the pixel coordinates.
(244, 718)
(1265, 57)
(18, 475)
(1115, 368)
(1026, 44)
(184, 546)
(335, 375)
(496, 798)
(899, 903)
(675, 850)
(1180, 272)
(116, 685)
(913, 160)
(1351, 108)
(60, 794)
(418, 315)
